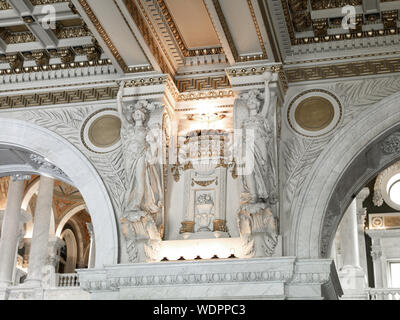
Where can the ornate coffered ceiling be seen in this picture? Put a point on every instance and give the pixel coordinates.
(196, 42)
(35, 38)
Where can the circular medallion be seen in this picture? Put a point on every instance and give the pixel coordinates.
(314, 113)
(105, 131)
(101, 132)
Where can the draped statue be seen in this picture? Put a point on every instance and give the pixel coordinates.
(143, 201)
(257, 224)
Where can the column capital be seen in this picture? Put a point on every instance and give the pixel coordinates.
(20, 177)
(376, 254)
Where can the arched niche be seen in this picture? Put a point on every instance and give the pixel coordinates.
(72, 250)
(348, 162)
(81, 173)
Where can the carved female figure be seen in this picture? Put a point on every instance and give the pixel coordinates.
(144, 194)
(259, 185)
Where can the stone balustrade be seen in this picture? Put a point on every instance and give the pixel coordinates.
(67, 280)
(384, 294)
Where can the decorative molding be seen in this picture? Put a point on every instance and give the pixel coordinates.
(42, 164)
(380, 193)
(391, 144)
(59, 97)
(67, 122)
(257, 27)
(46, 2)
(329, 4)
(316, 93)
(199, 84)
(298, 18)
(103, 34)
(52, 67)
(4, 5)
(343, 70)
(178, 37)
(147, 35)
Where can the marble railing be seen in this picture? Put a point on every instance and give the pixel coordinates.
(67, 280)
(384, 294)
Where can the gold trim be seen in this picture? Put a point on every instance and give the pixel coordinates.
(198, 84)
(178, 37)
(4, 5)
(51, 67)
(329, 4)
(133, 34)
(219, 225)
(204, 183)
(226, 30)
(343, 70)
(272, 42)
(60, 97)
(103, 34)
(299, 96)
(335, 37)
(260, 38)
(146, 33)
(82, 134)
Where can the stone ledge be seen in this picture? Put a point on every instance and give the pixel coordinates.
(270, 278)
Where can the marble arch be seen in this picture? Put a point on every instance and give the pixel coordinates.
(73, 211)
(77, 167)
(352, 158)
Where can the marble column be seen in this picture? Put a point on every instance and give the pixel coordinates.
(349, 237)
(361, 216)
(378, 259)
(352, 276)
(10, 234)
(41, 228)
(92, 245)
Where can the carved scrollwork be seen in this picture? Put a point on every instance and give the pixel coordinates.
(391, 144)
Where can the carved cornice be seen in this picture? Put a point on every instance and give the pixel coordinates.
(257, 27)
(53, 67)
(147, 35)
(298, 19)
(329, 4)
(226, 30)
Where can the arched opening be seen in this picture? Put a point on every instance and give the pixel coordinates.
(70, 252)
(79, 172)
(354, 155)
(353, 158)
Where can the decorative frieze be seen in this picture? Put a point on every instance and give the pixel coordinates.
(178, 278)
(343, 70)
(58, 97)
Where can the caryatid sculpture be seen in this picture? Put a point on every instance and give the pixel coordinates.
(143, 202)
(257, 168)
